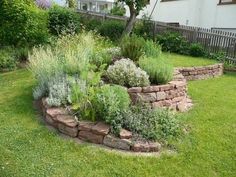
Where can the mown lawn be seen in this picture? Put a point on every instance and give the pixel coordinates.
(181, 60)
(28, 148)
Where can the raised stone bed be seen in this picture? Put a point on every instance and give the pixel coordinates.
(201, 72)
(172, 95)
(94, 132)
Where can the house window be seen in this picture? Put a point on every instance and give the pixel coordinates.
(227, 2)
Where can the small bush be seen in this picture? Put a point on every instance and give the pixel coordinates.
(152, 49)
(90, 24)
(22, 23)
(63, 20)
(59, 92)
(159, 71)
(196, 50)
(152, 124)
(173, 42)
(144, 28)
(7, 59)
(112, 29)
(124, 72)
(132, 47)
(109, 102)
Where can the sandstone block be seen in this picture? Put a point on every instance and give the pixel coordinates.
(100, 129)
(91, 137)
(117, 143)
(148, 97)
(160, 96)
(125, 134)
(71, 131)
(135, 90)
(85, 125)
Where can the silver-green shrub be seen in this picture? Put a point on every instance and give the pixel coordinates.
(124, 72)
(59, 92)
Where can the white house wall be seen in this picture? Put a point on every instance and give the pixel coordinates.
(200, 13)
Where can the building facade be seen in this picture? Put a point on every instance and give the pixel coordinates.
(213, 14)
(101, 6)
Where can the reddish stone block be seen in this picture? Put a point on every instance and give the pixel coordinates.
(117, 143)
(135, 90)
(67, 120)
(100, 129)
(85, 125)
(125, 134)
(70, 131)
(151, 89)
(140, 147)
(91, 137)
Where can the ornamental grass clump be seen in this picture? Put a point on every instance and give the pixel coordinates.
(124, 72)
(158, 69)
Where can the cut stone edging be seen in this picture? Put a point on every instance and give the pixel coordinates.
(201, 72)
(174, 95)
(94, 132)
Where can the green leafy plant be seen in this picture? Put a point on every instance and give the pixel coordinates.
(118, 10)
(196, 50)
(144, 27)
(152, 124)
(109, 102)
(132, 47)
(7, 59)
(173, 42)
(112, 29)
(151, 49)
(159, 70)
(22, 23)
(63, 20)
(124, 72)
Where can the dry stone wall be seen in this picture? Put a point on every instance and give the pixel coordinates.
(94, 132)
(201, 72)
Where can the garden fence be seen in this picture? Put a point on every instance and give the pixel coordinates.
(213, 41)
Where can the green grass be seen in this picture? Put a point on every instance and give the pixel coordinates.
(28, 148)
(181, 60)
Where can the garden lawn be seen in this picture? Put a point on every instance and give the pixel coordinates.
(28, 148)
(181, 60)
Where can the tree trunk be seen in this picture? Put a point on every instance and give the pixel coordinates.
(130, 24)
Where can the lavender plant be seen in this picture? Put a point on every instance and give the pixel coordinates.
(44, 4)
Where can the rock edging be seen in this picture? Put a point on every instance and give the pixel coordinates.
(94, 132)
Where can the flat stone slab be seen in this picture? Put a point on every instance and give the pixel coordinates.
(146, 147)
(117, 143)
(125, 134)
(101, 129)
(86, 125)
(67, 120)
(53, 112)
(91, 137)
(70, 131)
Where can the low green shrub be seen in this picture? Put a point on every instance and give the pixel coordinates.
(109, 102)
(132, 47)
(22, 23)
(63, 20)
(196, 50)
(7, 59)
(90, 24)
(112, 29)
(173, 42)
(124, 72)
(152, 124)
(158, 69)
(151, 49)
